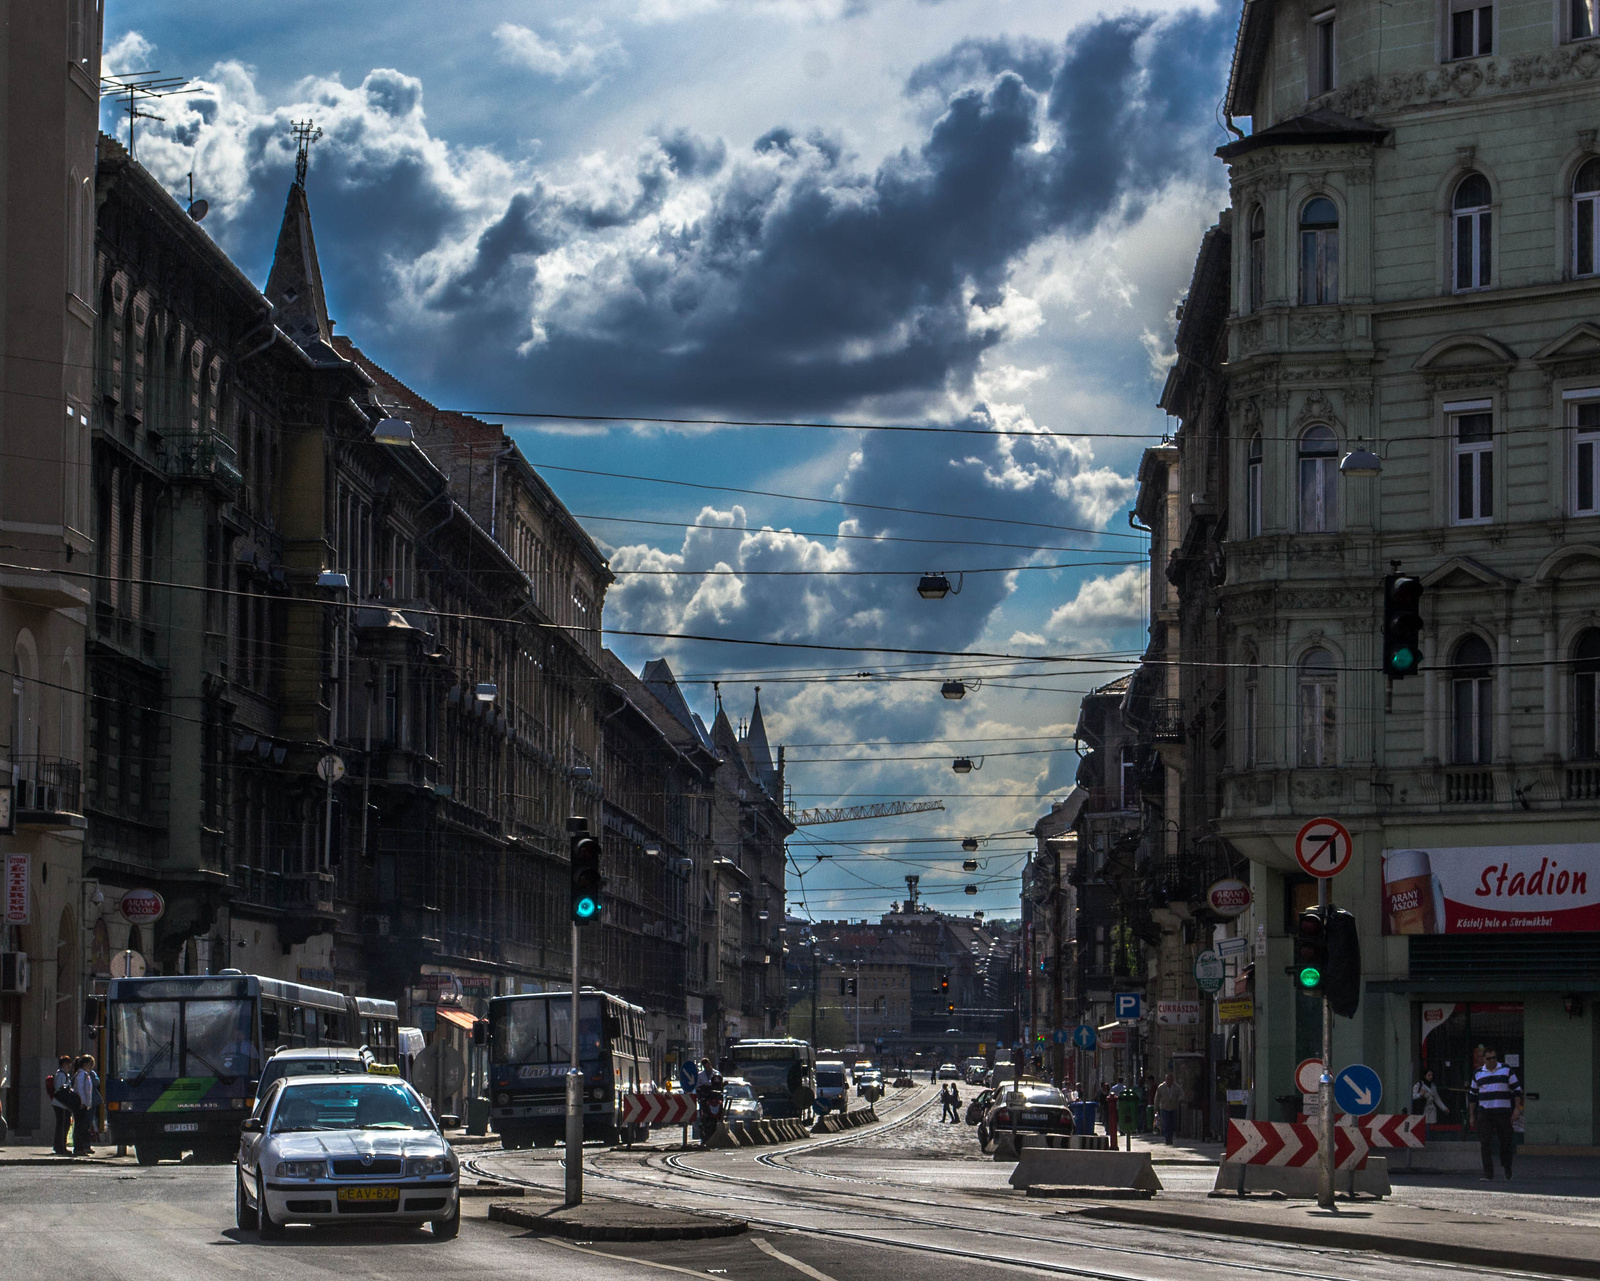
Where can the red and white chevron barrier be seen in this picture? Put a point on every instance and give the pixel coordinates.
(1392, 1130)
(1292, 1144)
(658, 1109)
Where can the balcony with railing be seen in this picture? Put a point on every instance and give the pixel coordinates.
(1164, 720)
(200, 456)
(47, 793)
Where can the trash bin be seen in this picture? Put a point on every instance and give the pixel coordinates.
(1083, 1116)
(478, 1116)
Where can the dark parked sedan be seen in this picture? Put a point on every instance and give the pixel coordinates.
(1028, 1107)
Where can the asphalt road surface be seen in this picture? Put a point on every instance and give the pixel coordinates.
(910, 1195)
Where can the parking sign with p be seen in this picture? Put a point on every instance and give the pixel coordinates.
(1128, 1005)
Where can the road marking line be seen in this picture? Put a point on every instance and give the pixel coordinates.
(624, 1258)
(766, 1247)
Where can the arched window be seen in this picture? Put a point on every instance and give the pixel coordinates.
(1470, 215)
(1586, 696)
(1252, 485)
(1319, 251)
(1318, 710)
(1319, 480)
(1257, 262)
(1472, 702)
(1585, 226)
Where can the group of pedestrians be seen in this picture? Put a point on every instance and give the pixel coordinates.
(74, 1089)
(950, 1098)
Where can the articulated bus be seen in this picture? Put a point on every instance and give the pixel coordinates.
(781, 1072)
(184, 1052)
(530, 1049)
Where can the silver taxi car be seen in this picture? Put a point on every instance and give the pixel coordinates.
(341, 1150)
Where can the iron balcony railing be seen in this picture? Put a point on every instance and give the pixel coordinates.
(201, 455)
(46, 785)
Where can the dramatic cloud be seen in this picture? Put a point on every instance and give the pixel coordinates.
(1103, 606)
(578, 59)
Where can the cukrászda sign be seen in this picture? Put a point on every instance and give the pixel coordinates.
(1492, 889)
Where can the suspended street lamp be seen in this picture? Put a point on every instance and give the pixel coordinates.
(970, 845)
(953, 689)
(965, 765)
(937, 586)
(972, 889)
(969, 865)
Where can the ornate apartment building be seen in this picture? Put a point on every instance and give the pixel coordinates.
(1408, 267)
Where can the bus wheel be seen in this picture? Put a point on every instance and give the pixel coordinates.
(146, 1153)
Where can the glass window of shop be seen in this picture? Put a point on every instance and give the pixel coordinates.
(1453, 1038)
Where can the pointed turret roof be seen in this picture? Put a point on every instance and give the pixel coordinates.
(659, 680)
(756, 751)
(294, 286)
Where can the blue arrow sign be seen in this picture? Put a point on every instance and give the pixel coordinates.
(1128, 1005)
(1357, 1090)
(1059, 1036)
(1083, 1036)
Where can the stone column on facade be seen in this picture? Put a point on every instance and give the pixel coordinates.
(1502, 694)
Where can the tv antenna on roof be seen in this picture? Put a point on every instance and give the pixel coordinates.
(305, 133)
(143, 84)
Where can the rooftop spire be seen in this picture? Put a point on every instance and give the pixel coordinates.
(294, 286)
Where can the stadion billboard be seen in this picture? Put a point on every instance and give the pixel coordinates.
(1492, 889)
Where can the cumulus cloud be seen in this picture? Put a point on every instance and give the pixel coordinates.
(783, 276)
(576, 59)
(1103, 605)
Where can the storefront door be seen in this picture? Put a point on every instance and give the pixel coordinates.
(1454, 1036)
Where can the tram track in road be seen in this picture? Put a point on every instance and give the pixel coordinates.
(764, 1209)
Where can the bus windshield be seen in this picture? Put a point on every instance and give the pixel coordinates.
(169, 1039)
(539, 1030)
(771, 1070)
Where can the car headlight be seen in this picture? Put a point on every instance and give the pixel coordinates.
(599, 1092)
(502, 1099)
(302, 1169)
(424, 1166)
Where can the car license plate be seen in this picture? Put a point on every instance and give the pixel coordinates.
(1035, 1118)
(550, 1111)
(181, 1127)
(369, 1194)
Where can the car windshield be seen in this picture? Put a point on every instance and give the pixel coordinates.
(349, 1105)
(830, 1076)
(1036, 1096)
(737, 1092)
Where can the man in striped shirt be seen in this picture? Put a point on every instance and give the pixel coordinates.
(1497, 1098)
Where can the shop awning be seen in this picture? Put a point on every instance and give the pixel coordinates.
(450, 1014)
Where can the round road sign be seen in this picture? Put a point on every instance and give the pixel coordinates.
(1083, 1036)
(1059, 1036)
(1323, 847)
(330, 769)
(1308, 1076)
(1357, 1090)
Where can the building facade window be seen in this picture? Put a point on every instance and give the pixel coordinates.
(1583, 417)
(1319, 480)
(1251, 712)
(1583, 19)
(1322, 74)
(1252, 485)
(1317, 708)
(1256, 264)
(1470, 215)
(1472, 448)
(1585, 226)
(1319, 252)
(1472, 702)
(1471, 29)
(1586, 696)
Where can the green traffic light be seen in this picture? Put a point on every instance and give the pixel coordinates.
(1403, 659)
(585, 908)
(1310, 976)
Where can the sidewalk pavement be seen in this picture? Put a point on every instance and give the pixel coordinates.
(1388, 1227)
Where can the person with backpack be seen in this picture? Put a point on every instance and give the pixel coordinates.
(58, 1085)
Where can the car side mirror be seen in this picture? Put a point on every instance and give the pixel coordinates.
(252, 1125)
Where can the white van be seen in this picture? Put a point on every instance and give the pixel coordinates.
(833, 1085)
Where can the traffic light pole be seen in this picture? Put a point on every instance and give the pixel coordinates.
(574, 1157)
(1325, 1084)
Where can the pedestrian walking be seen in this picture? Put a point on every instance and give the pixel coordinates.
(1108, 1106)
(59, 1086)
(83, 1110)
(1169, 1098)
(1496, 1098)
(1426, 1101)
(955, 1103)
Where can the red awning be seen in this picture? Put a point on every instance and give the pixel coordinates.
(450, 1014)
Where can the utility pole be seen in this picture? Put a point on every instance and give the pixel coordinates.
(1325, 1083)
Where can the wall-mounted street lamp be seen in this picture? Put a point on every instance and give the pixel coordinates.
(486, 691)
(332, 580)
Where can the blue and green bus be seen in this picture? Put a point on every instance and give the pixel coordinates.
(184, 1052)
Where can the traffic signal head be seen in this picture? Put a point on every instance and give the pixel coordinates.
(1310, 970)
(944, 983)
(588, 886)
(1402, 625)
(950, 1008)
(1343, 982)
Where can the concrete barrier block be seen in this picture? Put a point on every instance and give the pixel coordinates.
(1301, 1180)
(1084, 1168)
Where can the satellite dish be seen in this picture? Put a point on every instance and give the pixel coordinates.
(198, 209)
